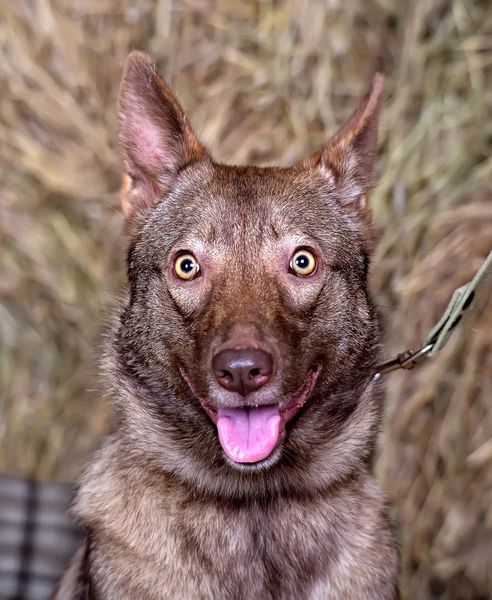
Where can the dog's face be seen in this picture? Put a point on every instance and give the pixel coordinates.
(249, 320)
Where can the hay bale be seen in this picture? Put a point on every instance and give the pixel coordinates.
(263, 82)
(437, 458)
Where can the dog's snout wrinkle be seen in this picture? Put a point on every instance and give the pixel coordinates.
(242, 370)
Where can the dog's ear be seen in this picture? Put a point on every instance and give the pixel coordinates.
(155, 137)
(348, 157)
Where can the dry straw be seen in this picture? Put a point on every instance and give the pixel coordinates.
(263, 81)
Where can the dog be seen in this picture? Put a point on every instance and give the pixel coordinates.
(241, 364)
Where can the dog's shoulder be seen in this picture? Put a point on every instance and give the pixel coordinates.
(75, 585)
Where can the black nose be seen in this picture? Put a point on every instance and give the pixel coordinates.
(243, 370)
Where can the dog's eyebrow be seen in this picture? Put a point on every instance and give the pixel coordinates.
(275, 232)
(212, 234)
(207, 236)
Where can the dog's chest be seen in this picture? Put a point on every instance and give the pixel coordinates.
(257, 553)
(209, 552)
(157, 543)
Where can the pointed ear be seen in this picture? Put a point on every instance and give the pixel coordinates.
(155, 137)
(348, 157)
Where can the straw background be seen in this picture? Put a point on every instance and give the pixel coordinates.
(262, 81)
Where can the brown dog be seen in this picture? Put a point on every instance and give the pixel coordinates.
(241, 365)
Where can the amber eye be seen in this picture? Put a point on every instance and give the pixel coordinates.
(186, 267)
(303, 263)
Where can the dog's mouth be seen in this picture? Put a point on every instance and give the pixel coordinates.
(249, 434)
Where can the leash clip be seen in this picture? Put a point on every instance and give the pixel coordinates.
(438, 336)
(405, 360)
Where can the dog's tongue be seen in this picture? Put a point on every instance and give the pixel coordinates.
(249, 434)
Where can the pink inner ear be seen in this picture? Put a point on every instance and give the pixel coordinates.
(152, 151)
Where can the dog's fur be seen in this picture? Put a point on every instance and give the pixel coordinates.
(167, 514)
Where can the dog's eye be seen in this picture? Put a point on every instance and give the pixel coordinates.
(186, 267)
(303, 263)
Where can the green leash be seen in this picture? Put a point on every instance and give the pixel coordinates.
(436, 339)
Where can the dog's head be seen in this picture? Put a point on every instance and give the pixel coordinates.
(247, 343)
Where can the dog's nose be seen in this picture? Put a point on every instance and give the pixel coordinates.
(244, 370)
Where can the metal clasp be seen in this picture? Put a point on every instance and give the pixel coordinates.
(404, 360)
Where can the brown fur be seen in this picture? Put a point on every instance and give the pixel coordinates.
(167, 515)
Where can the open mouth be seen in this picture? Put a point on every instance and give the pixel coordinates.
(249, 434)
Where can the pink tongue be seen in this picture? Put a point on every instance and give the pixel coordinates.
(249, 434)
